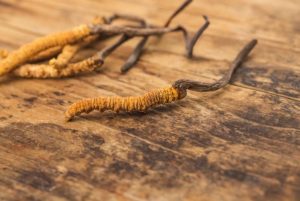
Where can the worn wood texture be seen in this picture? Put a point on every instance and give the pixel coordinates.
(239, 143)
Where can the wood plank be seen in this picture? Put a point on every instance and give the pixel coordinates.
(241, 142)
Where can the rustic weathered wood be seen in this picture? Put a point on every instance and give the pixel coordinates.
(239, 143)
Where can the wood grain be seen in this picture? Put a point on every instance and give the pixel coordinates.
(239, 143)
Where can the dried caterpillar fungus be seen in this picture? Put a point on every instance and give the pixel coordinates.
(42, 48)
(69, 51)
(46, 54)
(159, 96)
(128, 104)
(23, 54)
(49, 71)
(43, 55)
(65, 56)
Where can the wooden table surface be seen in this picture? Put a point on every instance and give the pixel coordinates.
(238, 143)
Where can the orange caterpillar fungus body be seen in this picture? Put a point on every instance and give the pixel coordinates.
(3, 53)
(69, 51)
(43, 55)
(49, 71)
(46, 54)
(23, 54)
(128, 104)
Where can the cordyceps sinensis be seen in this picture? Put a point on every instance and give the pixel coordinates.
(156, 97)
(46, 47)
(69, 42)
(26, 52)
(66, 70)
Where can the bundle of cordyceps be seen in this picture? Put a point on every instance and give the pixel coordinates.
(51, 57)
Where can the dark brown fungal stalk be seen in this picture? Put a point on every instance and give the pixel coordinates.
(133, 58)
(177, 11)
(184, 84)
(136, 54)
(159, 96)
(133, 18)
(190, 43)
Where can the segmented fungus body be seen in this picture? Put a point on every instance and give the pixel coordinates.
(48, 71)
(65, 53)
(127, 104)
(68, 53)
(46, 54)
(24, 53)
(87, 65)
(156, 97)
(41, 56)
